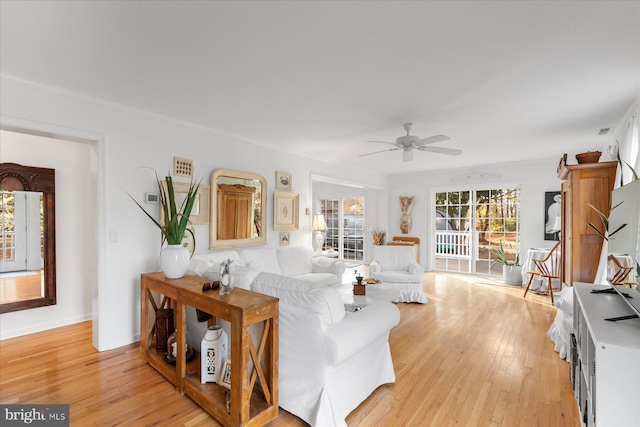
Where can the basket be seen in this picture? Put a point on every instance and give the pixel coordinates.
(589, 157)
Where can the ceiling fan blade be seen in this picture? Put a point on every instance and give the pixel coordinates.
(441, 150)
(376, 152)
(432, 140)
(395, 144)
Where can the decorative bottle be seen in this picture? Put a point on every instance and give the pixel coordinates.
(226, 277)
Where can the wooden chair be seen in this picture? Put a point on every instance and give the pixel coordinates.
(621, 274)
(549, 267)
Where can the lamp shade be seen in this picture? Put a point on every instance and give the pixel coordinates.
(318, 223)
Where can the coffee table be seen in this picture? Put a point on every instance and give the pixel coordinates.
(374, 293)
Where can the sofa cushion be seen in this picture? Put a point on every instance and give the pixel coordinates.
(314, 297)
(208, 265)
(394, 257)
(325, 279)
(295, 260)
(398, 277)
(262, 260)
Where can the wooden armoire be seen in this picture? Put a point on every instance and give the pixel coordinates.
(235, 211)
(581, 246)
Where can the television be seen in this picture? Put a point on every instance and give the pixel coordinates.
(626, 241)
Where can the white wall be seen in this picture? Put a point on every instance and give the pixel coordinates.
(534, 179)
(75, 242)
(126, 140)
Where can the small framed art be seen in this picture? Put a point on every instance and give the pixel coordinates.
(552, 215)
(283, 181)
(225, 374)
(286, 207)
(284, 238)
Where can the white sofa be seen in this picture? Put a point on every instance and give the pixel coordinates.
(329, 360)
(562, 327)
(295, 261)
(396, 266)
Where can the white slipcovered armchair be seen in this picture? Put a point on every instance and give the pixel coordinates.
(330, 360)
(396, 266)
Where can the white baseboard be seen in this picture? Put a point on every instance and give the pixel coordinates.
(32, 329)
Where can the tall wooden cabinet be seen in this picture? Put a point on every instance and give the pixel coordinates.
(235, 211)
(581, 246)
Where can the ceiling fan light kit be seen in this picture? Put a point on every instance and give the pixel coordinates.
(407, 143)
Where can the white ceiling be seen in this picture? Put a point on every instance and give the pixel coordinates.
(507, 81)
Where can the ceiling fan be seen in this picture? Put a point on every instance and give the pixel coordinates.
(408, 143)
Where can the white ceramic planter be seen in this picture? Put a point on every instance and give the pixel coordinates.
(512, 275)
(174, 261)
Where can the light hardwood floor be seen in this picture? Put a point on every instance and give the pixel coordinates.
(474, 355)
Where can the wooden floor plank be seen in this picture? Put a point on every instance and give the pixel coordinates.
(474, 355)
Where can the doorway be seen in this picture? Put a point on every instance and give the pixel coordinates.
(471, 224)
(345, 226)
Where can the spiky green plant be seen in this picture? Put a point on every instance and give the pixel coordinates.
(605, 221)
(634, 174)
(501, 257)
(175, 218)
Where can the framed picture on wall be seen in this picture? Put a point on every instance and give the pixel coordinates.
(200, 211)
(285, 239)
(286, 215)
(283, 181)
(552, 215)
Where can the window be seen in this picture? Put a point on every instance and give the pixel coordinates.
(469, 226)
(345, 226)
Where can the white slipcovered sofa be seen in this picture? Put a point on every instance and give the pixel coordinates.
(329, 360)
(397, 266)
(562, 327)
(295, 261)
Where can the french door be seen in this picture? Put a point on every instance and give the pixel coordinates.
(345, 226)
(471, 224)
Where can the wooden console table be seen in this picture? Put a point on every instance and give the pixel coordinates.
(250, 406)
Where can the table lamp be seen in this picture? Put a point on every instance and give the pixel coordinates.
(319, 225)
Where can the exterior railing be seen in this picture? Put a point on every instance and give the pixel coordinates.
(453, 244)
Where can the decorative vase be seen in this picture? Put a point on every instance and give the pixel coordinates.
(512, 275)
(226, 277)
(174, 261)
(213, 351)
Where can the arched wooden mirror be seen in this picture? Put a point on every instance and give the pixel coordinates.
(27, 237)
(238, 209)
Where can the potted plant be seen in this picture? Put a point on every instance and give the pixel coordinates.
(511, 270)
(174, 258)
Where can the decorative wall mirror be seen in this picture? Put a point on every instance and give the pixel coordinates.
(27, 237)
(238, 209)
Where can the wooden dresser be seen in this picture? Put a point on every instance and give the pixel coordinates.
(581, 246)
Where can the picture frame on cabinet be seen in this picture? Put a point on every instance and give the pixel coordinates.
(225, 374)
